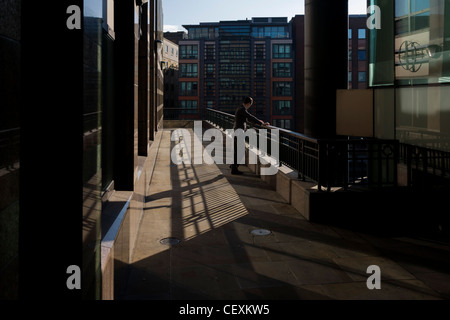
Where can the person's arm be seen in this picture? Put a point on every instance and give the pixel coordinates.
(254, 119)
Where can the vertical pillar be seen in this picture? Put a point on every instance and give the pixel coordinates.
(326, 63)
(143, 132)
(51, 149)
(151, 46)
(124, 94)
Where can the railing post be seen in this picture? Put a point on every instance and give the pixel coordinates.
(320, 165)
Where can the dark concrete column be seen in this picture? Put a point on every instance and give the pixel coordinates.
(51, 149)
(124, 68)
(151, 81)
(326, 63)
(143, 122)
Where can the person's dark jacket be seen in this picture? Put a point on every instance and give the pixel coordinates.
(241, 116)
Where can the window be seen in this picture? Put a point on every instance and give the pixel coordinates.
(260, 88)
(188, 106)
(282, 51)
(361, 33)
(282, 107)
(349, 33)
(362, 55)
(260, 69)
(411, 15)
(203, 33)
(282, 123)
(188, 70)
(282, 88)
(209, 68)
(350, 76)
(210, 52)
(234, 69)
(270, 32)
(188, 89)
(260, 51)
(209, 88)
(189, 52)
(362, 76)
(282, 70)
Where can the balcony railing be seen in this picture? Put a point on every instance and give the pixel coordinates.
(329, 163)
(424, 164)
(9, 148)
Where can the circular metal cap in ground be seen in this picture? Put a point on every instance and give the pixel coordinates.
(171, 241)
(260, 232)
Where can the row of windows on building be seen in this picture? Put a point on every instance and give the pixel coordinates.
(279, 51)
(273, 32)
(280, 107)
(362, 76)
(361, 33)
(279, 69)
(190, 88)
(173, 51)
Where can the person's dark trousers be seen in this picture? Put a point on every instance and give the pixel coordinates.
(234, 167)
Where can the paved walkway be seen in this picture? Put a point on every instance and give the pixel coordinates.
(213, 214)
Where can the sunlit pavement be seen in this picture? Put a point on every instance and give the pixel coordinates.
(234, 237)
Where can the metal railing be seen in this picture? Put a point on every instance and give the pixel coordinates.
(423, 163)
(9, 148)
(329, 163)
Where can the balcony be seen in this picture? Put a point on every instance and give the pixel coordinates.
(300, 234)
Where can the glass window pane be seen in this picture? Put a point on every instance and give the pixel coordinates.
(362, 55)
(361, 33)
(362, 76)
(418, 5)
(401, 7)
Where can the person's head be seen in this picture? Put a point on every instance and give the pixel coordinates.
(248, 101)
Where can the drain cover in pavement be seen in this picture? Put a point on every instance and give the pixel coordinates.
(170, 241)
(260, 232)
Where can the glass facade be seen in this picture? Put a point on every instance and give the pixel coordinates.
(417, 67)
(273, 32)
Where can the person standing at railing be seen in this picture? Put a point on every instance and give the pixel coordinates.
(240, 122)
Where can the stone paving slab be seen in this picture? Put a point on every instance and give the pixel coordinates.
(213, 214)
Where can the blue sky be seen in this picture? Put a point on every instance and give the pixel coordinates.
(180, 12)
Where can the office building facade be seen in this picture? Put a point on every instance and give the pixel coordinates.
(81, 106)
(410, 76)
(220, 63)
